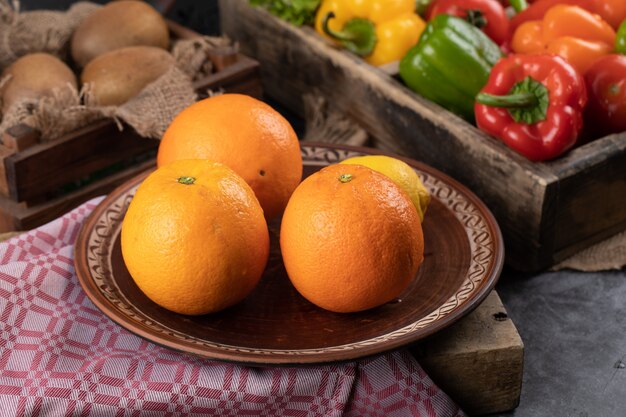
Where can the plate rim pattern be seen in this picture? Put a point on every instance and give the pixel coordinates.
(482, 231)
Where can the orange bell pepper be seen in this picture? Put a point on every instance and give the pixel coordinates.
(612, 11)
(572, 32)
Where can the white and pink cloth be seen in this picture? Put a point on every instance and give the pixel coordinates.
(60, 356)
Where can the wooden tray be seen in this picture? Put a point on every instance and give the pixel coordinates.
(35, 176)
(547, 211)
(478, 361)
(275, 325)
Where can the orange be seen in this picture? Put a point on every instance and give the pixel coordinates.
(249, 136)
(350, 238)
(401, 174)
(194, 238)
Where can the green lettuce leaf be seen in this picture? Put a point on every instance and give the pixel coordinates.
(297, 12)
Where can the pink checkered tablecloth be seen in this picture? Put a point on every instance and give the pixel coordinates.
(60, 356)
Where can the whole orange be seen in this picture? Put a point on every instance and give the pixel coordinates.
(249, 136)
(350, 238)
(194, 238)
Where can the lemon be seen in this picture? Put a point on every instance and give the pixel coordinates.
(401, 174)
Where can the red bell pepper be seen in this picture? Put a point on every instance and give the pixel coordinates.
(612, 11)
(488, 15)
(534, 104)
(606, 86)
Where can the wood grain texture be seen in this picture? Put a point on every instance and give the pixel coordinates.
(43, 168)
(16, 216)
(534, 203)
(478, 361)
(20, 137)
(5, 152)
(592, 192)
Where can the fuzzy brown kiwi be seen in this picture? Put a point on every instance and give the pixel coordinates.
(117, 76)
(116, 25)
(33, 76)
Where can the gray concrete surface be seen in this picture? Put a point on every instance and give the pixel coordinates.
(573, 325)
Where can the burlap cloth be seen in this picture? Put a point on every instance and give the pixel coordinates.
(149, 113)
(609, 254)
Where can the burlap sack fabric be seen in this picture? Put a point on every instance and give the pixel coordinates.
(38, 31)
(149, 113)
(609, 254)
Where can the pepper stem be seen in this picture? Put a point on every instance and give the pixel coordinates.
(357, 35)
(527, 101)
(518, 5)
(476, 18)
(509, 101)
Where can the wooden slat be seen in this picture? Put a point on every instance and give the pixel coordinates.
(592, 194)
(4, 154)
(223, 57)
(20, 137)
(15, 216)
(45, 167)
(478, 361)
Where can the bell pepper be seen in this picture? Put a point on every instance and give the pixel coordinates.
(534, 104)
(450, 63)
(380, 31)
(606, 86)
(572, 32)
(612, 11)
(487, 15)
(620, 39)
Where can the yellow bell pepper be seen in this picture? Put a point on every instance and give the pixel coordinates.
(381, 31)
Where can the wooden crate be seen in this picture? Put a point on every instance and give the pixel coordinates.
(478, 361)
(547, 211)
(40, 181)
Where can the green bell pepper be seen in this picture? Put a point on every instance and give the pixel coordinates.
(620, 39)
(450, 64)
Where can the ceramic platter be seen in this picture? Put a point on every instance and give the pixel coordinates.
(274, 325)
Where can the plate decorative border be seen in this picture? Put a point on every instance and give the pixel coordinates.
(486, 263)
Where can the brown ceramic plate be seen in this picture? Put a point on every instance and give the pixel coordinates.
(276, 326)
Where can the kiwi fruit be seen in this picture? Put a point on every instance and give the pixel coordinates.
(116, 25)
(34, 76)
(118, 75)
